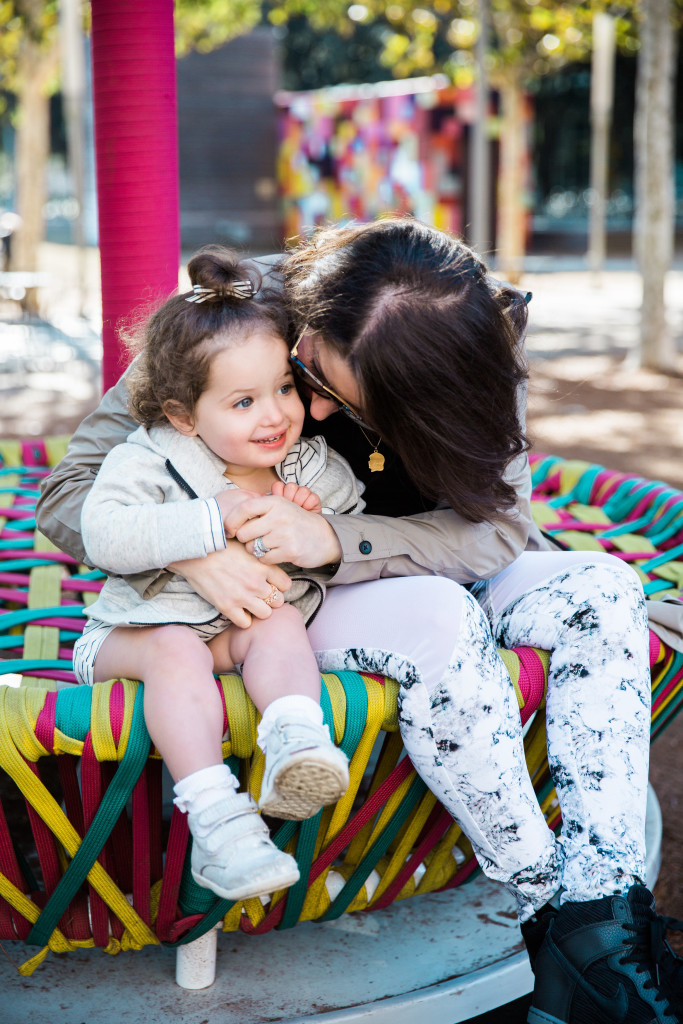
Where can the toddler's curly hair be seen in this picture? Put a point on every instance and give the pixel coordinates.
(174, 347)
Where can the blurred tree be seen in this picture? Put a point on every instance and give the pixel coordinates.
(204, 25)
(315, 59)
(654, 174)
(527, 39)
(29, 58)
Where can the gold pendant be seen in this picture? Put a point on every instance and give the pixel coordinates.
(376, 462)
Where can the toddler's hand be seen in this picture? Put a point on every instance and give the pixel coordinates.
(299, 495)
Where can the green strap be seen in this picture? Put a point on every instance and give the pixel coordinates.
(305, 846)
(114, 801)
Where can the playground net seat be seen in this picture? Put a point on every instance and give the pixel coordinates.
(99, 859)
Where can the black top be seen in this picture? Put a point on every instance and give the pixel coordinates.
(388, 493)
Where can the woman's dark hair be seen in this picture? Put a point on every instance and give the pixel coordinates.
(177, 342)
(434, 345)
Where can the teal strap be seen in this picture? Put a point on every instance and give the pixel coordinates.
(10, 619)
(73, 711)
(308, 832)
(21, 665)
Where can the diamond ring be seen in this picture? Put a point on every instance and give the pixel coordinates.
(260, 548)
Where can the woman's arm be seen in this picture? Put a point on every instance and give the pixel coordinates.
(368, 547)
(59, 508)
(439, 542)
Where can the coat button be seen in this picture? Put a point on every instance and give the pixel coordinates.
(365, 547)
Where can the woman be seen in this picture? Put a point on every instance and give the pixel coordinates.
(401, 329)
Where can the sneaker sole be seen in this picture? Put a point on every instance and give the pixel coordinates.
(302, 788)
(246, 893)
(539, 1017)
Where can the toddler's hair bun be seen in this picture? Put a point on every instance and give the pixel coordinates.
(217, 275)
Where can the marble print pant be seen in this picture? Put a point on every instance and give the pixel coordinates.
(460, 720)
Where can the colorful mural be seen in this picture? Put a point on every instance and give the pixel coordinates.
(359, 151)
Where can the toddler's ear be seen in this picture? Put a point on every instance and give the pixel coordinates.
(180, 418)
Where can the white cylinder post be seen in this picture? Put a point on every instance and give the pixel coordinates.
(195, 965)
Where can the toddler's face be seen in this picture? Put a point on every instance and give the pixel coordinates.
(250, 414)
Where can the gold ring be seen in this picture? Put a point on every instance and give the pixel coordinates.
(272, 596)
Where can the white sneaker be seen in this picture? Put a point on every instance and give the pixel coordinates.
(233, 854)
(304, 770)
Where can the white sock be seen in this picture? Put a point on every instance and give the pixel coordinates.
(292, 704)
(204, 787)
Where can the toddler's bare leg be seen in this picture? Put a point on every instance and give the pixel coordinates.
(276, 656)
(183, 709)
(303, 769)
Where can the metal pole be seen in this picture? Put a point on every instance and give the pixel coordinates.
(602, 92)
(479, 163)
(73, 95)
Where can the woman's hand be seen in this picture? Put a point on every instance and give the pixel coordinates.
(235, 582)
(289, 531)
(231, 497)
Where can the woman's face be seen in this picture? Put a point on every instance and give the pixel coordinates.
(332, 372)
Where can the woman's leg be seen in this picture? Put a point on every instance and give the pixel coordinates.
(589, 611)
(458, 714)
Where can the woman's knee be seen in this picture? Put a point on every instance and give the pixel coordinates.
(437, 605)
(612, 578)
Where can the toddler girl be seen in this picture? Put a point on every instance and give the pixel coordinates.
(220, 415)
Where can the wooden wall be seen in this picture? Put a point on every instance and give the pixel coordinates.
(228, 143)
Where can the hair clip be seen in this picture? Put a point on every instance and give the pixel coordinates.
(235, 290)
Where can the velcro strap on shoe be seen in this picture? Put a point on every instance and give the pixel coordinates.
(242, 819)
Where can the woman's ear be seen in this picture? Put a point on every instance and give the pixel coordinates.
(180, 418)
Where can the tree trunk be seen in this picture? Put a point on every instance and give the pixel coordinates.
(32, 152)
(654, 181)
(512, 180)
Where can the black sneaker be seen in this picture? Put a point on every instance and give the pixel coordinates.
(534, 931)
(599, 964)
(670, 965)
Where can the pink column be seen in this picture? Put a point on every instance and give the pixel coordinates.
(136, 144)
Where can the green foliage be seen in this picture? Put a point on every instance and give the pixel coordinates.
(529, 37)
(204, 25)
(24, 24)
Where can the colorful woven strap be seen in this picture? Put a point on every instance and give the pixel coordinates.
(386, 839)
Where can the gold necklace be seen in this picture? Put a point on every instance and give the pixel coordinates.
(376, 459)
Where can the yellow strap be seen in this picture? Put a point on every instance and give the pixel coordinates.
(55, 448)
(441, 865)
(242, 716)
(571, 471)
(404, 844)
(11, 453)
(103, 744)
(20, 712)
